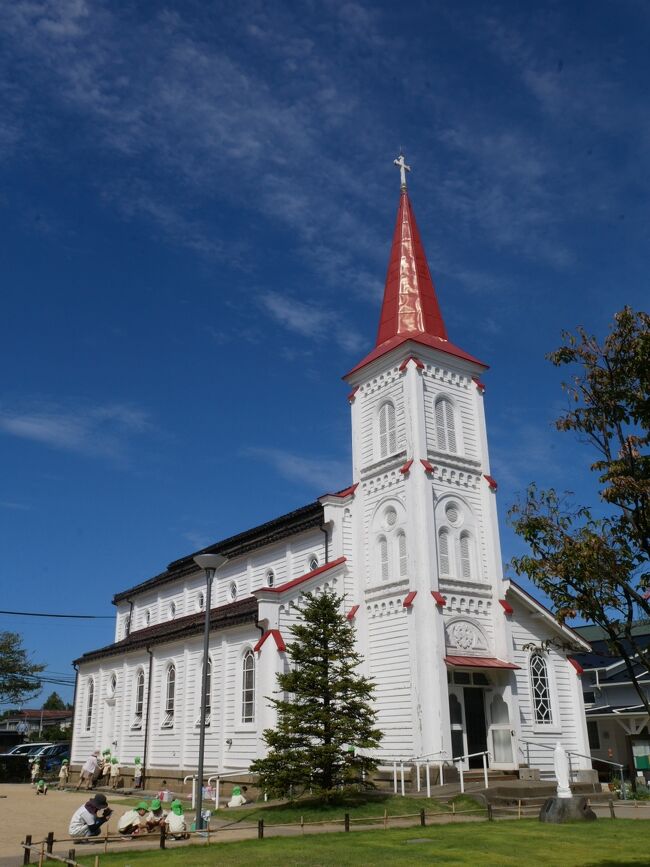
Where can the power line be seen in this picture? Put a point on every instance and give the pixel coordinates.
(69, 616)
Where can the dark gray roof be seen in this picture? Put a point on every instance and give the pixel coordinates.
(298, 521)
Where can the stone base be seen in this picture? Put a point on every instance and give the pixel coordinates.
(558, 810)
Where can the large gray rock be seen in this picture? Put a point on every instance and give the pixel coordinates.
(558, 810)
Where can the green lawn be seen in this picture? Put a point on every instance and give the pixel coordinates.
(606, 843)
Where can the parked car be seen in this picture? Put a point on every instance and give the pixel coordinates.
(51, 756)
(28, 750)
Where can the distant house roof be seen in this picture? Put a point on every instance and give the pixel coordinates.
(37, 714)
(242, 611)
(305, 518)
(607, 661)
(608, 710)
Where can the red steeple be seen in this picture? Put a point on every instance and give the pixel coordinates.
(410, 309)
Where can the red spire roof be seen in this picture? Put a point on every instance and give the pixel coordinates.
(410, 309)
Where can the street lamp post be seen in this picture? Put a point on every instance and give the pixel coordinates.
(209, 563)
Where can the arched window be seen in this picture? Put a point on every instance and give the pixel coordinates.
(139, 700)
(383, 558)
(445, 425)
(270, 578)
(401, 543)
(465, 555)
(90, 700)
(540, 688)
(208, 697)
(443, 552)
(313, 562)
(170, 698)
(248, 688)
(387, 430)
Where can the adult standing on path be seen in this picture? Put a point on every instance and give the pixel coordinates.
(87, 820)
(88, 770)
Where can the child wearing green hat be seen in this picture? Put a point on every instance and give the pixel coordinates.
(64, 773)
(176, 822)
(115, 772)
(41, 787)
(133, 821)
(156, 816)
(137, 773)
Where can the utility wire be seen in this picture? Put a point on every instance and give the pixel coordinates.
(71, 616)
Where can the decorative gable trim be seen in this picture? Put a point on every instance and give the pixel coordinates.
(479, 385)
(507, 607)
(277, 637)
(352, 613)
(408, 601)
(532, 604)
(574, 662)
(428, 466)
(346, 492)
(440, 599)
(352, 394)
(491, 482)
(407, 466)
(414, 359)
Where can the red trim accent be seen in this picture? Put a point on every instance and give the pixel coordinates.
(417, 361)
(440, 599)
(296, 581)
(352, 612)
(345, 492)
(480, 385)
(428, 466)
(507, 607)
(408, 601)
(491, 482)
(277, 637)
(352, 393)
(407, 466)
(479, 662)
(575, 664)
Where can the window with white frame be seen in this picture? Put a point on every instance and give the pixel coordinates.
(465, 547)
(270, 578)
(541, 690)
(147, 617)
(171, 610)
(170, 698)
(383, 558)
(387, 430)
(313, 562)
(444, 553)
(138, 705)
(401, 547)
(248, 687)
(90, 700)
(208, 697)
(457, 556)
(445, 425)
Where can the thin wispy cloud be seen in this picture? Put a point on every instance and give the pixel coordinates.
(18, 507)
(310, 321)
(99, 431)
(323, 476)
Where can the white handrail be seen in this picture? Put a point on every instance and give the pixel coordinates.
(570, 753)
(192, 777)
(485, 754)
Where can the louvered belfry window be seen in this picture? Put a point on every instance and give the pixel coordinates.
(541, 691)
(387, 430)
(465, 556)
(443, 552)
(401, 541)
(445, 425)
(383, 558)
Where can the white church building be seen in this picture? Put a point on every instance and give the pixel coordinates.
(413, 546)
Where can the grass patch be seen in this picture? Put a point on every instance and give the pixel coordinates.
(608, 843)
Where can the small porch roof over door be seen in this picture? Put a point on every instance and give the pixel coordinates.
(478, 662)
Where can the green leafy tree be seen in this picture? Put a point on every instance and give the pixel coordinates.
(324, 716)
(594, 561)
(54, 702)
(18, 676)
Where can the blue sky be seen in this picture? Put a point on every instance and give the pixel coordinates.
(197, 202)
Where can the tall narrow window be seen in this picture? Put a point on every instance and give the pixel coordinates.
(383, 558)
(170, 698)
(445, 425)
(139, 700)
(401, 542)
(443, 552)
(541, 691)
(208, 697)
(387, 431)
(465, 556)
(90, 700)
(248, 688)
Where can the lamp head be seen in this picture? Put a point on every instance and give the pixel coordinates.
(210, 561)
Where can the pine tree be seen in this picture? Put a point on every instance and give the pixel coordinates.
(324, 717)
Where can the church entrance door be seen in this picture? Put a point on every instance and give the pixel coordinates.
(473, 699)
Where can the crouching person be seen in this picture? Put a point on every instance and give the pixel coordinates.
(175, 822)
(156, 816)
(134, 821)
(88, 819)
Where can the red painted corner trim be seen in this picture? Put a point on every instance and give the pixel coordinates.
(352, 393)
(428, 466)
(480, 385)
(408, 601)
(507, 607)
(277, 637)
(575, 664)
(407, 466)
(440, 599)
(417, 361)
(491, 482)
(345, 492)
(352, 612)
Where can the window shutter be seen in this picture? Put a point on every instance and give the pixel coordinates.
(402, 555)
(383, 558)
(443, 552)
(451, 426)
(445, 425)
(441, 428)
(465, 556)
(387, 431)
